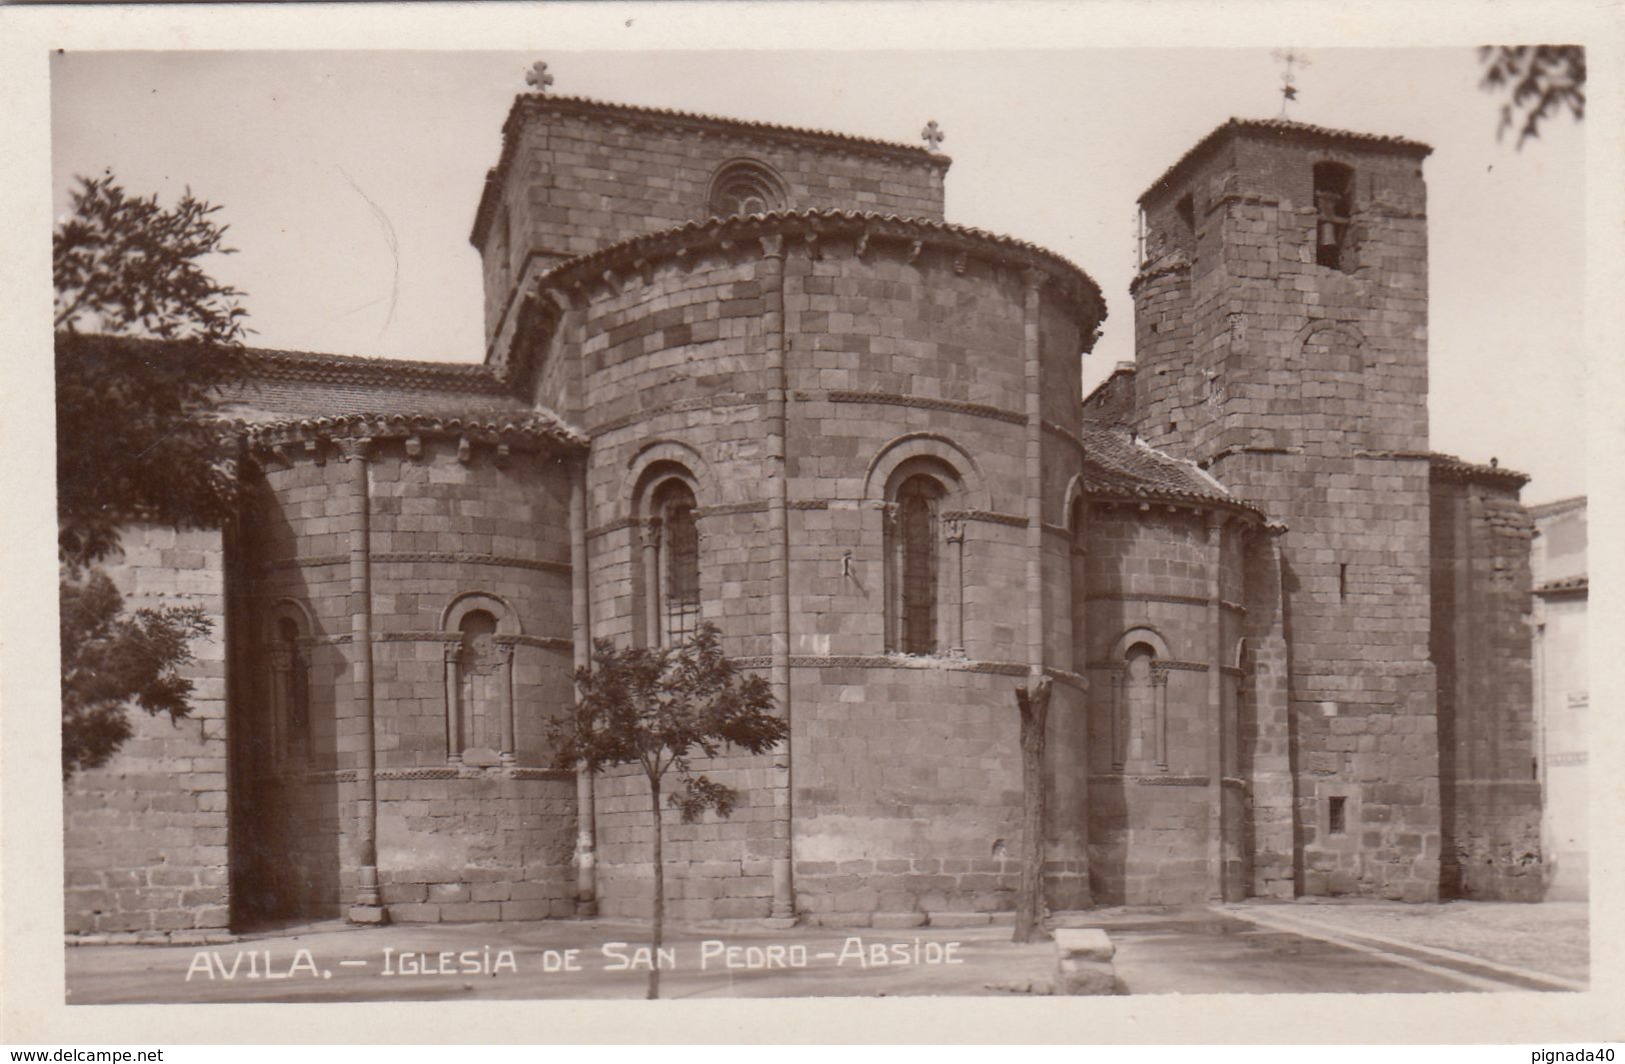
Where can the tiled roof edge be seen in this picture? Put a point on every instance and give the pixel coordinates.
(535, 424)
(472, 377)
(1450, 467)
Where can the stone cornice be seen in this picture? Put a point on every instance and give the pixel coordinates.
(910, 235)
(316, 368)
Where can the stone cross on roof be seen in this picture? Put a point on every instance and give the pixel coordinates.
(1289, 89)
(933, 135)
(538, 77)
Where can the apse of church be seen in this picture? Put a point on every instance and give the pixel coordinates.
(747, 374)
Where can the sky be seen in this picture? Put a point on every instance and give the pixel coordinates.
(350, 179)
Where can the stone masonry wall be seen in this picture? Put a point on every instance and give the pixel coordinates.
(1149, 805)
(468, 841)
(145, 836)
(582, 178)
(1481, 644)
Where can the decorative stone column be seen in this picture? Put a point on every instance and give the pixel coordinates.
(581, 641)
(505, 656)
(1159, 710)
(454, 704)
(770, 277)
(649, 533)
(1215, 703)
(367, 907)
(954, 533)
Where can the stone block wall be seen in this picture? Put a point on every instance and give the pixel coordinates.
(145, 837)
(1490, 787)
(445, 532)
(908, 791)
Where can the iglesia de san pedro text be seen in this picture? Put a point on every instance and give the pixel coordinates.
(749, 374)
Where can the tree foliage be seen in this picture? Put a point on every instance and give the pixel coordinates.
(659, 709)
(1542, 80)
(109, 661)
(133, 441)
(145, 338)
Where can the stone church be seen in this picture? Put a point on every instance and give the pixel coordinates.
(749, 374)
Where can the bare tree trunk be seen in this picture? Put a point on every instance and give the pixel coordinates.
(660, 891)
(1034, 706)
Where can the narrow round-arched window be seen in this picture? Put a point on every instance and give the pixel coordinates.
(1139, 704)
(480, 675)
(680, 562)
(289, 731)
(917, 502)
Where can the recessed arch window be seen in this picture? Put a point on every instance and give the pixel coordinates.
(1139, 711)
(679, 562)
(918, 509)
(479, 657)
(290, 691)
(744, 187)
(480, 674)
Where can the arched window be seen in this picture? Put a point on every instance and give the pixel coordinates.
(479, 660)
(1139, 712)
(679, 562)
(289, 738)
(745, 186)
(915, 552)
(1139, 705)
(481, 673)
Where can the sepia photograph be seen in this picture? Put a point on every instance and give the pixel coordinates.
(803, 522)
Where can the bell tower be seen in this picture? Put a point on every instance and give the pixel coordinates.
(1281, 331)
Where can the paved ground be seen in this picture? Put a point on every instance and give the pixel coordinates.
(1251, 948)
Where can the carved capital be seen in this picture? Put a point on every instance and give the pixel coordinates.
(953, 529)
(649, 534)
(1034, 279)
(361, 449)
(772, 245)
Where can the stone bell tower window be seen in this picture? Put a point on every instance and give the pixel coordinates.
(1334, 202)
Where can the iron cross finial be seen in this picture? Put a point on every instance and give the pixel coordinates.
(1289, 88)
(933, 135)
(538, 77)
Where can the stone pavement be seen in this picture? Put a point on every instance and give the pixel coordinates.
(1248, 948)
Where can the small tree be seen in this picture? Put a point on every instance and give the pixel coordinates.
(659, 708)
(144, 340)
